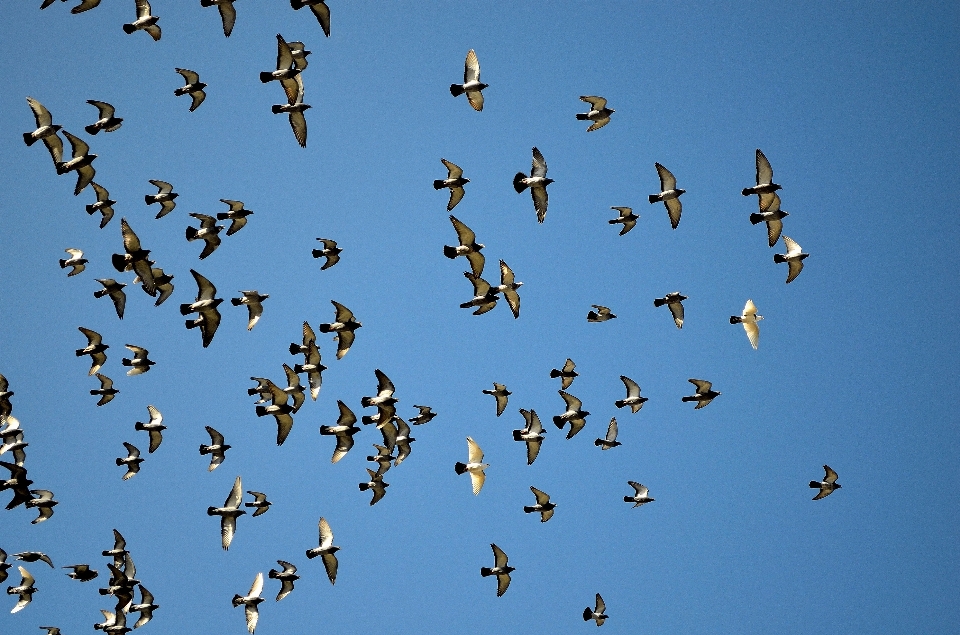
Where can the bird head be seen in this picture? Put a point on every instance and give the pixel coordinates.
(482, 86)
(836, 485)
(547, 181)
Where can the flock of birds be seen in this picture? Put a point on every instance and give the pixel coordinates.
(283, 400)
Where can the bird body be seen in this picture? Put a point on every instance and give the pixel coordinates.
(206, 306)
(454, 182)
(771, 214)
(113, 289)
(343, 430)
(330, 251)
(193, 87)
(208, 232)
(146, 607)
(468, 247)
(81, 163)
(45, 131)
(25, 590)
(252, 300)
(104, 204)
(81, 572)
(44, 504)
(425, 415)
(602, 314)
(165, 197)
(627, 218)
(501, 394)
(237, 215)
(260, 503)
(217, 448)
(376, 485)
(154, 428)
(287, 577)
(132, 461)
(610, 439)
(597, 614)
(344, 327)
(95, 349)
(250, 602)
(566, 374)
(633, 398)
(765, 184)
(140, 363)
(532, 434)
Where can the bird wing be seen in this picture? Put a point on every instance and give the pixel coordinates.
(308, 334)
(513, 299)
(569, 365)
(156, 438)
(702, 385)
(205, 288)
(475, 99)
(330, 564)
(143, 9)
(674, 209)
(191, 77)
(539, 164)
(284, 56)
(533, 423)
(612, 430)
(40, 113)
(456, 195)
(326, 534)
(831, 476)
(794, 269)
(344, 342)
(822, 493)
(322, 11)
(499, 557)
(667, 180)
(471, 68)
(75, 253)
(598, 103)
(792, 247)
(163, 186)
(79, 146)
(131, 243)
(573, 404)
(477, 262)
(93, 338)
(453, 170)
(774, 228)
(533, 449)
(198, 96)
(769, 202)
(344, 314)
(55, 147)
(749, 308)
(542, 497)
(27, 578)
(293, 88)
(257, 587)
(132, 451)
(347, 418)
(642, 491)
(155, 416)
(676, 308)
(298, 123)
(753, 333)
(480, 286)
(539, 195)
(599, 123)
(764, 171)
(633, 388)
(344, 443)
(477, 477)
(385, 387)
(503, 582)
(228, 15)
(85, 176)
(464, 233)
(284, 426)
(601, 606)
(102, 193)
(235, 495)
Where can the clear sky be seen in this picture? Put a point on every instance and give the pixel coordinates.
(854, 105)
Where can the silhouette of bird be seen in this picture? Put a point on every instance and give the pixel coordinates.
(145, 21)
(106, 121)
(471, 85)
(229, 512)
(454, 182)
(81, 572)
(146, 607)
(669, 194)
(610, 439)
(574, 414)
(537, 182)
(343, 430)
(499, 569)
(44, 505)
(140, 363)
(674, 302)
(641, 495)
(209, 232)
(237, 215)
(217, 450)
(749, 319)
(103, 205)
(250, 602)
(794, 258)
(25, 590)
(501, 394)
(633, 399)
(597, 614)
(344, 327)
(253, 301)
(599, 114)
(106, 391)
(132, 461)
(206, 306)
(532, 434)
(311, 364)
(154, 427)
(474, 465)
(81, 163)
(95, 349)
(4, 566)
(115, 290)
(484, 299)
(193, 87)
(330, 251)
(827, 485)
(602, 314)
(134, 257)
(468, 247)
(165, 197)
(508, 287)
(566, 374)
(286, 71)
(326, 550)
(704, 395)
(425, 416)
(34, 556)
(260, 503)
(544, 506)
(627, 218)
(375, 484)
(5, 393)
(772, 215)
(765, 184)
(287, 577)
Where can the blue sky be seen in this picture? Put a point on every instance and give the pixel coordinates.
(856, 109)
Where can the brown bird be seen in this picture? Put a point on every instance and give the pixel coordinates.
(237, 215)
(103, 205)
(468, 247)
(115, 290)
(454, 182)
(330, 251)
(95, 349)
(344, 327)
(81, 163)
(194, 87)
(669, 194)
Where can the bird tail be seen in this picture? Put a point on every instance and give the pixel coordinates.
(659, 302)
(516, 435)
(91, 129)
(654, 198)
(277, 109)
(438, 184)
(266, 77)
(529, 510)
(756, 218)
(735, 320)
(324, 328)
(297, 4)
(138, 426)
(587, 614)
(28, 139)
(778, 258)
(294, 348)
(449, 252)
(582, 116)
(518, 183)
(747, 191)
(63, 264)
(592, 316)
(460, 468)
(619, 403)
(556, 373)
(119, 461)
(191, 233)
(557, 421)
(364, 487)
(185, 309)
(298, 368)
(814, 485)
(129, 28)
(456, 90)
(190, 324)
(691, 398)
(90, 209)
(235, 301)
(261, 411)
(485, 571)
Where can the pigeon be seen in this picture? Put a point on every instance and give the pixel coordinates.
(134, 257)
(299, 53)
(765, 184)
(508, 287)
(287, 577)
(44, 505)
(145, 608)
(311, 365)
(286, 72)
(229, 512)
(602, 314)
(344, 328)
(402, 441)
(389, 431)
(194, 87)
(425, 415)
(154, 428)
(4, 566)
(106, 122)
(471, 85)
(468, 247)
(330, 251)
(217, 450)
(610, 440)
(139, 364)
(260, 503)
(237, 216)
(532, 433)
(114, 622)
(144, 22)
(343, 430)
(119, 548)
(674, 302)
(794, 258)
(13, 441)
(46, 131)
(704, 395)
(76, 260)
(633, 399)
(85, 5)
(773, 216)
(454, 181)
(51, 630)
(228, 14)
(106, 391)
(641, 497)
(294, 388)
(81, 572)
(34, 556)
(132, 461)
(500, 393)
(206, 306)
(385, 390)
(544, 506)
(574, 414)
(254, 309)
(483, 297)
(308, 337)
(566, 374)
(749, 319)
(103, 205)
(669, 194)
(165, 196)
(280, 410)
(375, 484)
(319, 8)
(95, 349)
(326, 550)
(115, 290)
(295, 107)
(81, 163)
(597, 614)
(208, 232)
(537, 182)
(250, 602)
(5, 393)
(18, 482)
(383, 458)
(25, 590)
(475, 466)
(827, 485)
(627, 218)
(599, 113)
(499, 569)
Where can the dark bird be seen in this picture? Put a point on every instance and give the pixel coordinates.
(330, 251)
(471, 85)
(602, 314)
(627, 218)
(385, 390)
(76, 261)
(574, 414)
(827, 485)
(773, 216)
(308, 337)
(25, 590)
(46, 131)
(44, 505)
(140, 363)
(402, 441)
(544, 506)
(794, 258)
(500, 393)
(113, 289)
(287, 577)
(599, 114)
(532, 434)
(344, 327)
(165, 197)
(81, 572)
(208, 232)
(499, 569)
(154, 427)
(383, 458)
(484, 299)
(311, 364)
(135, 257)
(250, 602)
(237, 215)
(5, 393)
(12, 440)
(674, 302)
(34, 556)
(85, 5)
(294, 108)
(468, 247)
(252, 300)
(95, 349)
(537, 182)
(669, 194)
(388, 430)
(19, 483)
(344, 430)
(749, 319)
(598, 613)
(566, 374)
(294, 388)
(103, 205)
(300, 53)
(704, 395)
(132, 461)
(280, 410)
(610, 439)
(326, 550)
(319, 8)
(217, 451)
(229, 512)
(163, 282)
(4, 566)
(474, 465)
(508, 287)
(81, 163)
(375, 484)
(425, 415)
(106, 121)
(146, 607)
(260, 503)
(106, 391)
(206, 306)
(641, 496)
(52, 630)
(115, 622)
(194, 87)
(765, 184)
(228, 14)
(144, 22)
(454, 182)
(633, 399)
(286, 72)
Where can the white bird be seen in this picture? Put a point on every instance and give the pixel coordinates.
(610, 439)
(537, 182)
(25, 590)
(326, 550)
(532, 434)
(474, 465)
(633, 399)
(749, 319)
(250, 602)
(144, 22)
(765, 184)
(471, 85)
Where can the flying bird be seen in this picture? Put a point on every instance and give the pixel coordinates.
(602, 314)
(376, 485)
(765, 184)
(474, 465)
(484, 299)
(425, 416)
(46, 131)
(119, 548)
(18, 482)
(44, 505)
(326, 550)
(287, 577)
(5, 393)
(25, 590)
(344, 327)
(641, 495)
(132, 461)
(237, 215)
(206, 306)
(81, 163)
(146, 607)
(113, 289)
(311, 364)
(134, 257)
(574, 414)
(343, 430)
(772, 215)
(402, 441)
(299, 53)
(308, 337)
(294, 108)
(103, 205)
(106, 121)
(209, 232)
(320, 10)
(704, 395)
(330, 251)
(794, 258)
(627, 218)
(499, 569)
(140, 363)
(508, 287)
(81, 572)
(385, 390)
(163, 282)
(537, 182)
(228, 14)
(610, 439)
(454, 182)
(217, 451)
(532, 434)
(260, 503)
(85, 5)
(12, 436)
(154, 427)
(229, 512)
(76, 261)
(106, 391)
(194, 87)
(471, 85)
(500, 393)
(468, 247)
(827, 485)
(4, 566)
(144, 22)
(669, 194)
(165, 197)
(382, 458)
(566, 374)
(280, 410)
(250, 602)
(95, 349)
(674, 302)
(633, 398)
(34, 556)
(597, 614)
(294, 388)
(749, 319)
(599, 114)
(544, 506)
(253, 301)
(286, 71)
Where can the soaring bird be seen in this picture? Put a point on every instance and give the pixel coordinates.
(474, 465)
(532, 434)
(81, 572)
(402, 441)
(206, 306)
(95, 349)
(675, 303)
(574, 414)
(103, 205)
(146, 607)
(12, 437)
(106, 391)
(704, 395)
(85, 5)
(217, 451)
(454, 182)
(193, 87)
(209, 233)
(119, 548)
(344, 327)
(165, 197)
(669, 194)
(228, 513)
(250, 602)
(81, 163)
(610, 439)
(382, 458)
(468, 247)
(508, 287)
(537, 182)
(228, 14)
(295, 106)
(295, 388)
(286, 71)
(772, 215)
(76, 261)
(765, 184)
(145, 21)
(602, 314)
(330, 251)
(543, 505)
(113, 289)
(827, 485)
(25, 590)
(501, 394)
(287, 577)
(599, 114)
(344, 430)
(385, 390)
(132, 460)
(34, 556)
(484, 299)
(641, 495)
(794, 258)
(320, 10)
(633, 398)
(627, 218)
(749, 319)
(280, 410)
(566, 374)
(376, 485)
(499, 569)
(154, 427)
(597, 614)
(44, 505)
(471, 85)
(140, 362)
(163, 282)
(326, 550)
(237, 215)
(308, 337)
(253, 301)
(106, 121)
(260, 503)
(46, 131)
(311, 366)
(134, 257)
(425, 415)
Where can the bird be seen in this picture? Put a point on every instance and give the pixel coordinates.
(311, 365)
(46, 131)
(483, 297)
(51, 630)
(375, 484)
(144, 22)
(471, 85)
(501, 394)
(18, 482)
(566, 374)
(499, 569)
(280, 410)
(260, 503)
(330, 251)
(627, 218)
(425, 416)
(602, 314)
(286, 71)
(294, 389)
(106, 391)
(206, 306)
(544, 506)
(250, 602)
(537, 182)
(326, 550)
(114, 622)
(385, 390)
(25, 590)
(254, 309)
(382, 458)
(194, 87)
(343, 430)
(669, 194)
(508, 287)
(772, 215)
(597, 614)
(4, 566)
(794, 258)
(81, 572)
(208, 232)
(641, 497)
(146, 607)
(474, 465)
(229, 512)
(44, 505)
(610, 439)
(749, 319)
(217, 449)
(85, 5)
(574, 414)
(132, 461)
(320, 10)
(532, 434)
(81, 163)
(237, 215)
(402, 441)
(299, 53)
(5, 393)
(295, 107)
(76, 261)
(228, 14)
(34, 556)
(468, 247)
(344, 327)
(140, 363)
(704, 395)
(287, 577)
(12, 436)
(113, 289)
(765, 184)
(106, 121)
(154, 427)
(674, 302)
(633, 398)
(389, 432)
(165, 197)
(103, 205)
(134, 257)
(308, 337)
(119, 548)
(95, 349)
(827, 485)
(599, 114)
(454, 182)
